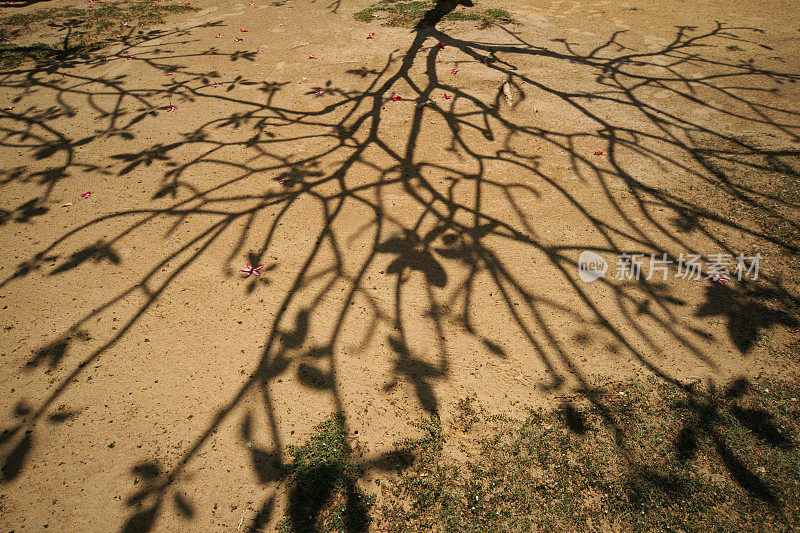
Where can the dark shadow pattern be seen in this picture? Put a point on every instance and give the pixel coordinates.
(458, 237)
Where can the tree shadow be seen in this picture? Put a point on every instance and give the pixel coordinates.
(446, 226)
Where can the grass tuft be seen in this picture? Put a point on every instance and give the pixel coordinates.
(324, 494)
(410, 13)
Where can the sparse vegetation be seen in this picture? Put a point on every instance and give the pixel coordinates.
(644, 457)
(324, 495)
(410, 13)
(79, 30)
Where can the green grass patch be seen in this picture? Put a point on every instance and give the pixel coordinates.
(410, 13)
(769, 184)
(785, 193)
(12, 56)
(79, 30)
(324, 495)
(642, 457)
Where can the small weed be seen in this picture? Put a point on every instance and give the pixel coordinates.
(734, 48)
(466, 415)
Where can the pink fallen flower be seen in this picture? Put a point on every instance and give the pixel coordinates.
(396, 98)
(171, 108)
(259, 52)
(599, 152)
(454, 71)
(319, 91)
(281, 25)
(215, 84)
(281, 182)
(9, 108)
(371, 35)
(86, 194)
(168, 74)
(238, 40)
(447, 96)
(718, 278)
(242, 30)
(126, 24)
(312, 56)
(250, 269)
(220, 36)
(441, 45)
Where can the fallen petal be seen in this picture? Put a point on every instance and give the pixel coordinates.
(312, 56)
(86, 194)
(454, 71)
(447, 96)
(9, 108)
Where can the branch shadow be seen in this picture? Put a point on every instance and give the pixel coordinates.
(441, 225)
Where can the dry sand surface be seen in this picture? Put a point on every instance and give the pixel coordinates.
(416, 250)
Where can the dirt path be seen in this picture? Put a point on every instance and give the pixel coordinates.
(419, 210)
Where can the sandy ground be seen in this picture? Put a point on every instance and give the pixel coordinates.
(414, 251)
